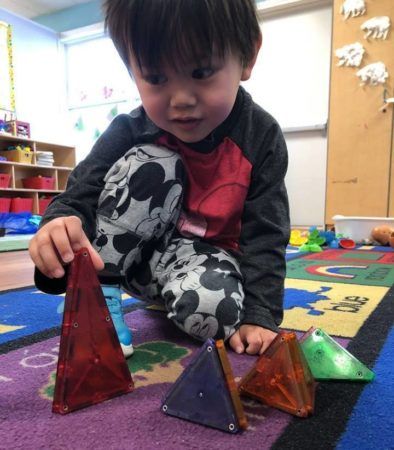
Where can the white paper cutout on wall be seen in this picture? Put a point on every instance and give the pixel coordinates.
(353, 8)
(373, 74)
(377, 27)
(350, 55)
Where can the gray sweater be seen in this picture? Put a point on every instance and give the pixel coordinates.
(250, 149)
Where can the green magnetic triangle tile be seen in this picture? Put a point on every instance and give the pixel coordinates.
(328, 360)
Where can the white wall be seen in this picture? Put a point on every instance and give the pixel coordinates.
(291, 81)
(39, 77)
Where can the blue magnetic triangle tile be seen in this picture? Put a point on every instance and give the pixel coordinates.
(201, 393)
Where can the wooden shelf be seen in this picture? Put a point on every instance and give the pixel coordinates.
(35, 166)
(48, 191)
(64, 162)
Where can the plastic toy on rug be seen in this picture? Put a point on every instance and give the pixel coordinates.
(314, 242)
(346, 243)
(328, 360)
(91, 366)
(383, 235)
(281, 377)
(297, 238)
(206, 392)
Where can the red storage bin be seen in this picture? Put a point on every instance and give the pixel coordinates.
(39, 183)
(5, 204)
(43, 203)
(19, 204)
(4, 180)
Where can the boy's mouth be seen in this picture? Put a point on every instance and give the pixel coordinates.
(187, 123)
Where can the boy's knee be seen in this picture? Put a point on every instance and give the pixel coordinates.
(208, 314)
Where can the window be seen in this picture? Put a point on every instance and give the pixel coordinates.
(98, 88)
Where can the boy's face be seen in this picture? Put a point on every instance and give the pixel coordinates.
(190, 103)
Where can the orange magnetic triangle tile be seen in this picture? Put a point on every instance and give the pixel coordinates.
(206, 392)
(231, 384)
(91, 366)
(281, 377)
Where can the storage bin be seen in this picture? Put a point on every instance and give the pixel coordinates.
(18, 155)
(4, 180)
(43, 203)
(39, 183)
(18, 128)
(5, 204)
(20, 204)
(359, 228)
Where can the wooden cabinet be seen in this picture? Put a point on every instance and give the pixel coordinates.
(360, 169)
(63, 164)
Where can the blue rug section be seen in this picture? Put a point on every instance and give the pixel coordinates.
(28, 311)
(293, 252)
(378, 396)
(300, 298)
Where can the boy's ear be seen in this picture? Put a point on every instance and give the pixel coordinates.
(247, 69)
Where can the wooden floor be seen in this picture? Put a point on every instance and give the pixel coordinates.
(16, 270)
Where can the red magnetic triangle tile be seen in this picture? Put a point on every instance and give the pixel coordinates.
(281, 377)
(91, 366)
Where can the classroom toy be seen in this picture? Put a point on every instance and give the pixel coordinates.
(346, 243)
(297, 238)
(314, 242)
(206, 392)
(383, 235)
(281, 377)
(328, 360)
(91, 366)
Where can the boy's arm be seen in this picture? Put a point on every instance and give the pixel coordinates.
(86, 182)
(265, 234)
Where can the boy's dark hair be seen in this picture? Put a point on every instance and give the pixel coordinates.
(180, 31)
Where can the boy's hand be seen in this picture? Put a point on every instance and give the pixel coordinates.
(55, 243)
(251, 338)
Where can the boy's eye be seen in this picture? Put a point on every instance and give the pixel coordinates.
(202, 73)
(155, 79)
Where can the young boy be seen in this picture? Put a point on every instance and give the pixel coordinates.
(183, 199)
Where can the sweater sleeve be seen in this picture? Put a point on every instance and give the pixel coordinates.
(86, 181)
(265, 234)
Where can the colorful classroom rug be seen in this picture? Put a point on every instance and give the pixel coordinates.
(347, 293)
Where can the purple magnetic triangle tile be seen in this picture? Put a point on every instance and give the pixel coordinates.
(201, 394)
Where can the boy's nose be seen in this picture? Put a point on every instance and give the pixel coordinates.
(183, 98)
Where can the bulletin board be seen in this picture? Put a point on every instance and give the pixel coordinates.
(7, 94)
(359, 181)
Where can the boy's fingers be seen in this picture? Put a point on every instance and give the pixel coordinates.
(38, 262)
(98, 263)
(75, 233)
(236, 343)
(78, 240)
(62, 244)
(254, 345)
(47, 259)
(267, 341)
(264, 347)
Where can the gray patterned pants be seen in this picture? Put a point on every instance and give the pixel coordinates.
(200, 284)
